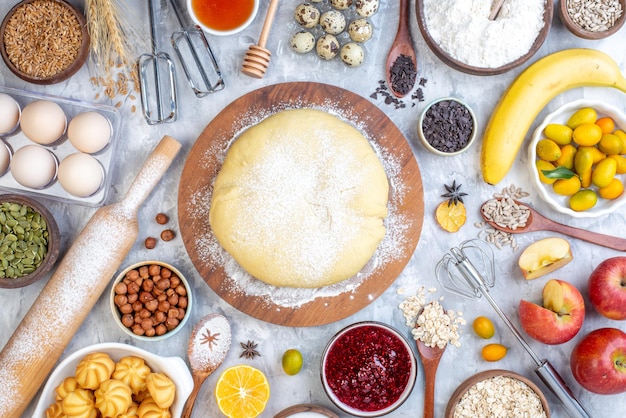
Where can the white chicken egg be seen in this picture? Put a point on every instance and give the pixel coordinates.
(307, 15)
(360, 30)
(352, 54)
(34, 166)
(366, 8)
(80, 174)
(5, 157)
(327, 47)
(43, 121)
(332, 22)
(9, 114)
(89, 132)
(302, 42)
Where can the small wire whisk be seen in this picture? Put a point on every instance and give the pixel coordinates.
(157, 80)
(196, 56)
(457, 274)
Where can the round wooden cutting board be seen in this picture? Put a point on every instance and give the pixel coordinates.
(216, 268)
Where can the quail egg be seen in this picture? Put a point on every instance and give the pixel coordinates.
(366, 8)
(332, 22)
(307, 15)
(341, 4)
(327, 46)
(302, 42)
(352, 54)
(360, 30)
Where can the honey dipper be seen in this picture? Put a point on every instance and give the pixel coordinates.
(257, 58)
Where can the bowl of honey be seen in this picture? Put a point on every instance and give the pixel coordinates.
(222, 17)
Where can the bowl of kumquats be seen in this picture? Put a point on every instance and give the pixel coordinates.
(577, 158)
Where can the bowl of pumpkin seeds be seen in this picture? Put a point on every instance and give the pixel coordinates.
(29, 241)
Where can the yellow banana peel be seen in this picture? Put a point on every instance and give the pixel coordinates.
(530, 92)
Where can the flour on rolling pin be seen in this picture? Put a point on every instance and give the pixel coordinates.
(74, 288)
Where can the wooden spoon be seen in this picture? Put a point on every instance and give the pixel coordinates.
(430, 357)
(402, 46)
(208, 346)
(496, 5)
(257, 59)
(538, 222)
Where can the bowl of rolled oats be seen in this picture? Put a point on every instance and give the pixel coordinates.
(497, 393)
(44, 41)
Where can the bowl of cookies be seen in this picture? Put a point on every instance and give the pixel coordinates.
(111, 379)
(150, 300)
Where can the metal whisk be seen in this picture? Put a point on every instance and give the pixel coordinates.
(157, 79)
(456, 273)
(190, 43)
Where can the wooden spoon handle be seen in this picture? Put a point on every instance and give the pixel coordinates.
(607, 241)
(429, 392)
(191, 400)
(267, 25)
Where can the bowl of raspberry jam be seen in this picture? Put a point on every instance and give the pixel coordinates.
(368, 369)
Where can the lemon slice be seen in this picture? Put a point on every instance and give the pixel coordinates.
(242, 392)
(451, 217)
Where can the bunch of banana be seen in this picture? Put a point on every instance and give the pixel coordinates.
(528, 95)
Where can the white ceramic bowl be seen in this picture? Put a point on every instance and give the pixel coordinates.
(213, 31)
(561, 115)
(117, 315)
(426, 143)
(174, 367)
(363, 333)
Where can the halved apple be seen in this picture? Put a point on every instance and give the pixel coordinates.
(544, 256)
(561, 316)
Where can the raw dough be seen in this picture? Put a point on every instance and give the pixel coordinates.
(300, 200)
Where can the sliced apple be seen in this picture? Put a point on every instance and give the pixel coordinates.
(561, 316)
(544, 256)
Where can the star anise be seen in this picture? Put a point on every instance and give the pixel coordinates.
(209, 339)
(454, 194)
(249, 350)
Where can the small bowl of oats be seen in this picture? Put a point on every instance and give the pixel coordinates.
(499, 392)
(44, 41)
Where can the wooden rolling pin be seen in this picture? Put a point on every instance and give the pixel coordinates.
(75, 287)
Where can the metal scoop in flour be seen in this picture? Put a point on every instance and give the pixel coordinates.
(458, 275)
(157, 79)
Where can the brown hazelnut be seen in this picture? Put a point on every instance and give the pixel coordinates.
(132, 288)
(137, 330)
(161, 218)
(126, 309)
(150, 332)
(132, 275)
(154, 270)
(167, 235)
(164, 306)
(137, 306)
(172, 323)
(175, 281)
(161, 297)
(127, 320)
(180, 289)
(172, 313)
(144, 313)
(163, 284)
(143, 272)
(146, 323)
(152, 305)
(181, 314)
(120, 300)
(133, 298)
(150, 243)
(160, 329)
(166, 273)
(145, 297)
(173, 299)
(160, 317)
(147, 285)
(182, 302)
(121, 288)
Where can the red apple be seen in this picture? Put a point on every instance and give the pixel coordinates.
(598, 361)
(607, 288)
(561, 316)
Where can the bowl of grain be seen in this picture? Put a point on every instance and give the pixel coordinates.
(461, 34)
(592, 20)
(151, 300)
(29, 241)
(44, 41)
(497, 392)
(447, 126)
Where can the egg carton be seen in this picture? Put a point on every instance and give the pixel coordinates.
(61, 148)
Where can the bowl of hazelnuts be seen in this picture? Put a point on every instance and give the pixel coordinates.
(150, 300)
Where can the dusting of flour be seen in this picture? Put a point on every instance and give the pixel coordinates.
(391, 248)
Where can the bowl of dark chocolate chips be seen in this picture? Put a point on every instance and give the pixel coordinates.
(447, 126)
